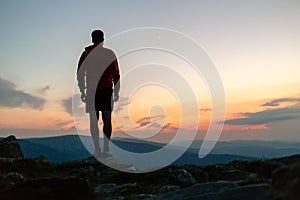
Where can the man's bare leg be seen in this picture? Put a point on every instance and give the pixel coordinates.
(107, 129)
(94, 128)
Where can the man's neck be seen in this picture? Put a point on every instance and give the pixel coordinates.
(98, 43)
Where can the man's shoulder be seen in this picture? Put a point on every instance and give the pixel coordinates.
(110, 53)
(108, 50)
(89, 48)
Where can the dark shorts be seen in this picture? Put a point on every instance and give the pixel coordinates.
(99, 100)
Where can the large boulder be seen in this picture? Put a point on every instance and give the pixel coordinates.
(10, 148)
(286, 182)
(199, 175)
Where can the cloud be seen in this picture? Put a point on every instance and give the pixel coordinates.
(123, 102)
(205, 109)
(43, 90)
(77, 104)
(63, 123)
(151, 121)
(276, 102)
(169, 128)
(12, 98)
(144, 121)
(164, 128)
(266, 116)
(67, 104)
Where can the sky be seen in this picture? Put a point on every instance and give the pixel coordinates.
(254, 45)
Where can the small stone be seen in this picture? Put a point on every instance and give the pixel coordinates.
(131, 169)
(41, 158)
(146, 197)
(114, 198)
(181, 177)
(106, 188)
(14, 177)
(112, 188)
(169, 188)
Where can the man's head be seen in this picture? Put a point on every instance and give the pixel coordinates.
(97, 36)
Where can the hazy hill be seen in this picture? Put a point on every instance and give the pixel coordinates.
(34, 149)
(252, 148)
(70, 147)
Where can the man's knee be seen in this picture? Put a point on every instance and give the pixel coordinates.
(106, 115)
(93, 115)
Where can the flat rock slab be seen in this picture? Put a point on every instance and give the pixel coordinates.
(220, 190)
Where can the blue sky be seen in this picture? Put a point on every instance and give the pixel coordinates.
(254, 44)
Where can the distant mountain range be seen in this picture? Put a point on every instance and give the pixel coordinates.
(55, 149)
(70, 147)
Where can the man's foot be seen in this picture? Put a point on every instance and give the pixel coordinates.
(98, 155)
(107, 154)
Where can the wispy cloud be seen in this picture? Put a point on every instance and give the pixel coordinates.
(266, 116)
(43, 90)
(276, 102)
(64, 123)
(12, 98)
(205, 109)
(144, 121)
(123, 102)
(67, 104)
(269, 115)
(169, 128)
(149, 121)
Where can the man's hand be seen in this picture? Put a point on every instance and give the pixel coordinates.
(83, 97)
(116, 97)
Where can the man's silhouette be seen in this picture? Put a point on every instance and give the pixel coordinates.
(98, 79)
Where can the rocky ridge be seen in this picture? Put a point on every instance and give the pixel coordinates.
(28, 178)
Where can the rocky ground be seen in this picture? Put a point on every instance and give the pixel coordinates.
(26, 178)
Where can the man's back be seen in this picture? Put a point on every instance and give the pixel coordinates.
(99, 66)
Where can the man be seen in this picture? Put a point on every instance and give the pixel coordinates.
(98, 78)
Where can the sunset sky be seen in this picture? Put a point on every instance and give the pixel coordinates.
(255, 46)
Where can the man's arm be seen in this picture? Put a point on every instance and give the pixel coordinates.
(81, 76)
(116, 79)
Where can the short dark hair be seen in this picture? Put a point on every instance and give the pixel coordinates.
(97, 36)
